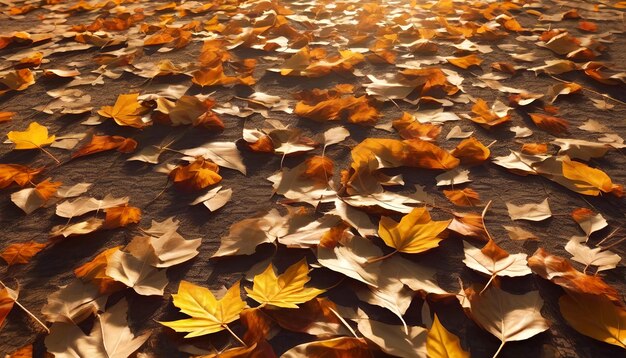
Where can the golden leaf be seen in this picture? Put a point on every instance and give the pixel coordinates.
(208, 314)
(287, 290)
(126, 111)
(35, 137)
(415, 232)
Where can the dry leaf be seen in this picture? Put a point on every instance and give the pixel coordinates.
(287, 290)
(208, 314)
(21, 253)
(35, 137)
(415, 232)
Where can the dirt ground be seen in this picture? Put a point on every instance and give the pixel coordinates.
(110, 173)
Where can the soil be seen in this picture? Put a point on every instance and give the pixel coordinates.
(111, 174)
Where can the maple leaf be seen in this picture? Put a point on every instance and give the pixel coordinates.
(394, 340)
(441, 343)
(589, 222)
(319, 168)
(21, 253)
(110, 336)
(35, 137)
(95, 272)
(287, 290)
(18, 174)
(604, 260)
(415, 232)
(463, 197)
(197, 175)
(490, 117)
(208, 314)
(409, 128)
(121, 216)
(126, 111)
(74, 303)
(136, 273)
(531, 212)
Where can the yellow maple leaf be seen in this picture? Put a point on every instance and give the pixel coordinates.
(441, 343)
(286, 290)
(208, 314)
(34, 137)
(415, 232)
(126, 111)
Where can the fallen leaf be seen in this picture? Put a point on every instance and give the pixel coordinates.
(287, 290)
(21, 253)
(415, 232)
(508, 317)
(341, 347)
(463, 197)
(208, 314)
(126, 111)
(595, 316)
(530, 212)
(604, 260)
(441, 343)
(136, 273)
(35, 137)
(121, 216)
(110, 336)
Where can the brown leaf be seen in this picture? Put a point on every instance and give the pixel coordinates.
(463, 197)
(471, 152)
(121, 216)
(195, 176)
(559, 271)
(550, 124)
(21, 253)
(103, 143)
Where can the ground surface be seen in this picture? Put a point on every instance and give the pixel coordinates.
(110, 173)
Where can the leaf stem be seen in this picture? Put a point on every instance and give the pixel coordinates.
(344, 322)
(234, 335)
(499, 349)
(380, 258)
(27, 311)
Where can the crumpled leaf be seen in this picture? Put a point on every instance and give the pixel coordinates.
(531, 212)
